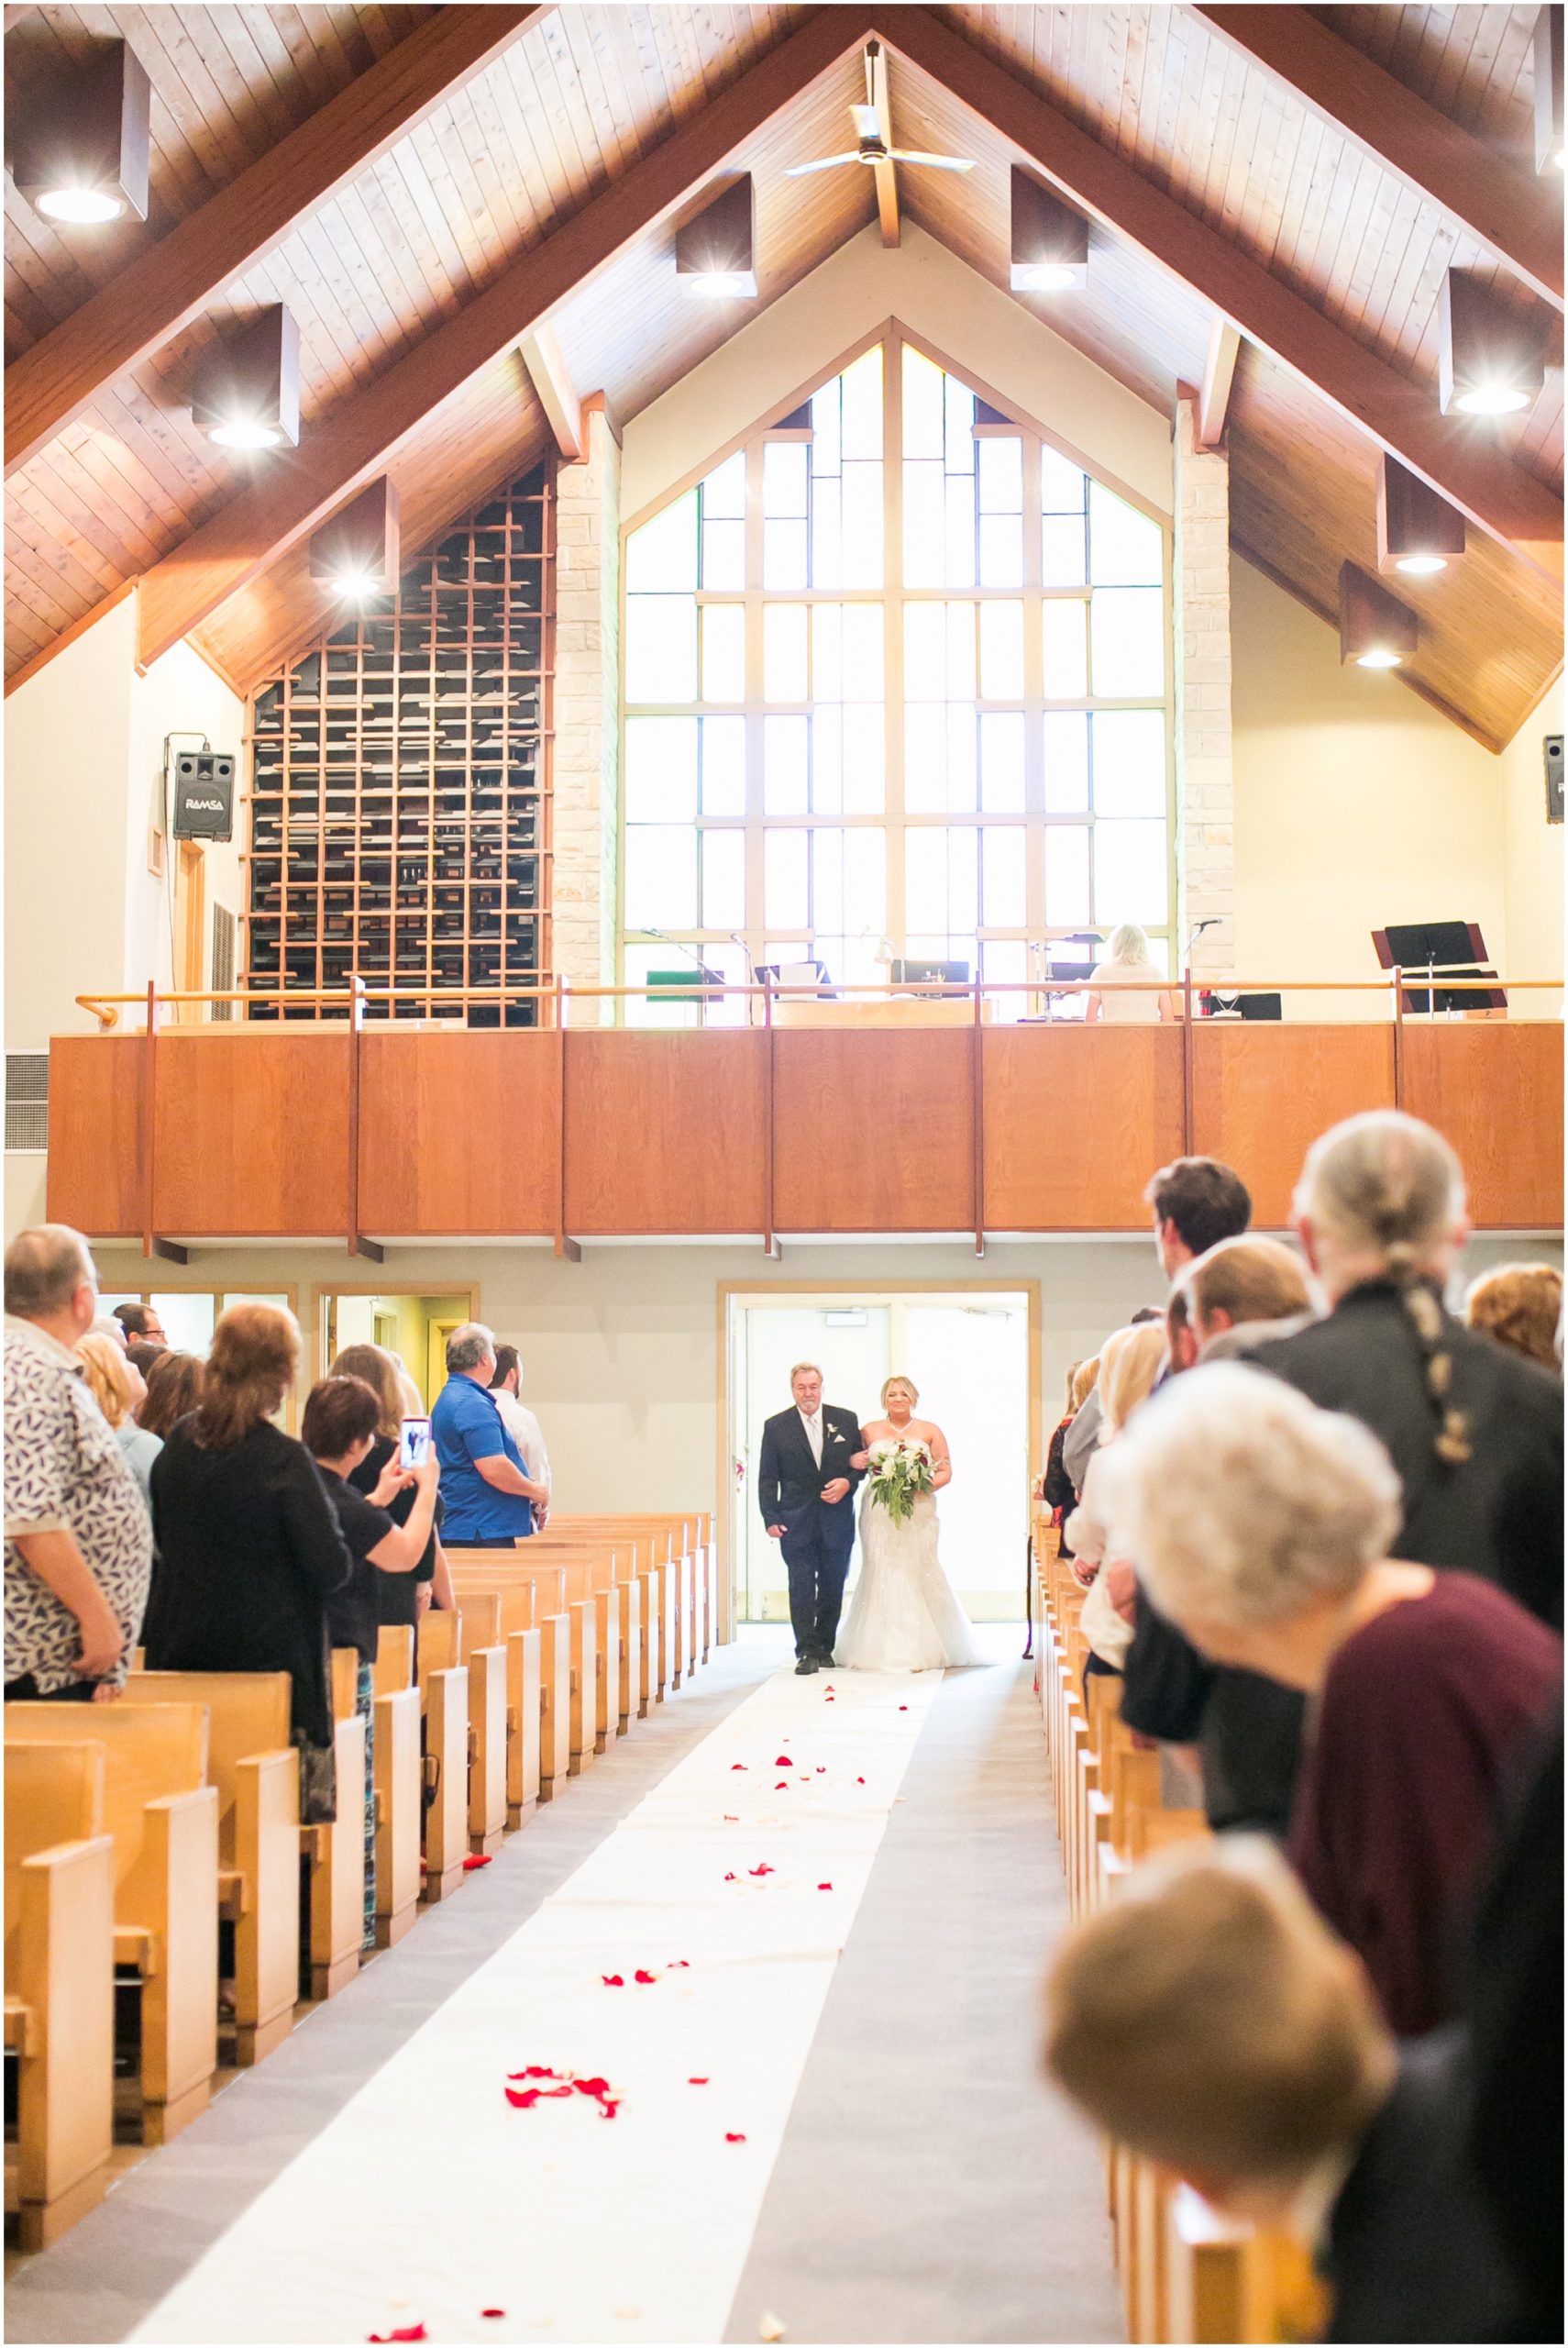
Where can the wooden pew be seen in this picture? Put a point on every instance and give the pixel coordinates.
(663, 1557)
(257, 1772)
(523, 1642)
(400, 1786)
(335, 1882)
(482, 1653)
(569, 1683)
(60, 1983)
(444, 1704)
(605, 1575)
(161, 1816)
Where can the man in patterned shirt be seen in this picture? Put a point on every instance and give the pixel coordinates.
(78, 1541)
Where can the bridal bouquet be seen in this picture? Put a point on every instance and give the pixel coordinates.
(897, 1477)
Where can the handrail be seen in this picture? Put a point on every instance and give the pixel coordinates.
(104, 1007)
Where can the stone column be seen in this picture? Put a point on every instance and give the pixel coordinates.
(587, 714)
(1206, 862)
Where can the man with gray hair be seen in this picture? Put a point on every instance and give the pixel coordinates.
(489, 1497)
(78, 1542)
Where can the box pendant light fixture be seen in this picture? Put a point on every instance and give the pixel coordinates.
(1418, 531)
(246, 393)
(715, 252)
(1376, 631)
(355, 550)
(1491, 356)
(79, 150)
(1050, 240)
(1549, 148)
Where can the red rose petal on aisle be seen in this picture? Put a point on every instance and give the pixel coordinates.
(729, 1878)
(821, 1768)
(646, 1980)
(487, 2311)
(696, 2083)
(860, 1781)
(737, 1765)
(522, 2099)
(477, 1859)
(782, 1787)
(824, 1886)
(613, 1980)
(678, 1964)
(732, 2138)
(409, 2332)
(730, 1818)
(903, 1707)
(783, 1762)
(764, 1870)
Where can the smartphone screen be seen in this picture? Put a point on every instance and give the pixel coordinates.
(415, 1447)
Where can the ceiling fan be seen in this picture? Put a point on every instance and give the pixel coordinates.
(872, 145)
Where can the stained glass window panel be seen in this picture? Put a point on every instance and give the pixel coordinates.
(1066, 763)
(723, 766)
(1129, 761)
(1001, 763)
(1066, 650)
(1066, 876)
(661, 876)
(865, 759)
(788, 897)
(1005, 873)
(723, 652)
(784, 764)
(661, 648)
(784, 480)
(1001, 651)
(661, 770)
(723, 880)
(1064, 561)
(862, 390)
(784, 652)
(784, 559)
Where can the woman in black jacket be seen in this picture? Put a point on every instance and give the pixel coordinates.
(249, 1543)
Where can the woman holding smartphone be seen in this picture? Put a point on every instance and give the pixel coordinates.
(400, 1597)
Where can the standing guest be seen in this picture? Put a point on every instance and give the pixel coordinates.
(1208, 2021)
(401, 1598)
(1475, 1434)
(338, 1429)
(489, 1494)
(105, 1325)
(1520, 1306)
(1128, 966)
(1055, 1487)
(141, 1321)
(250, 1550)
(522, 1426)
(175, 1384)
(805, 1488)
(1078, 1443)
(115, 1385)
(78, 1545)
(144, 1352)
(1262, 1527)
(1129, 1362)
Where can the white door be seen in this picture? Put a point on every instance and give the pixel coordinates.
(970, 1361)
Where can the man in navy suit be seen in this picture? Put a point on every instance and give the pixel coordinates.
(806, 1491)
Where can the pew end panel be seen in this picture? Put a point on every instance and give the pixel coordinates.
(399, 1813)
(487, 1749)
(337, 1866)
(445, 1694)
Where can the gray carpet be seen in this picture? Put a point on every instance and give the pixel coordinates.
(930, 2187)
(111, 2268)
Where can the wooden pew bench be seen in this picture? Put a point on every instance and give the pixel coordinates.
(335, 1882)
(60, 1983)
(444, 1707)
(400, 1786)
(256, 1771)
(161, 1816)
(481, 1651)
(522, 1639)
(569, 1670)
(668, 1628)
(607, 1576)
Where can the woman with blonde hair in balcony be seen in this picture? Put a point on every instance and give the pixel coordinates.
(1123, 985)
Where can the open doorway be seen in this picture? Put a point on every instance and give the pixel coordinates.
(972, 1352)
(415, 1328)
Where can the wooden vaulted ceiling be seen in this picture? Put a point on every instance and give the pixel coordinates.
(543, 182)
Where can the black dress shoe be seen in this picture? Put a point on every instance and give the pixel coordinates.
(804, 1669)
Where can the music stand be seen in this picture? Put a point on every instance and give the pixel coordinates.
(1442, 949)
(1070, 960)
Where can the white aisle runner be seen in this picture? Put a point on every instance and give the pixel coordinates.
(431, 2200)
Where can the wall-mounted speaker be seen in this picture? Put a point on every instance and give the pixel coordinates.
(1553, 746)
(203, 796)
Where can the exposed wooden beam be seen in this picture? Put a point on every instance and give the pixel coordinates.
(1460, 462)
(143, 306)
(364, 433)
(884, 174)
(1506, 207)
(548, 374)
(1219, 373)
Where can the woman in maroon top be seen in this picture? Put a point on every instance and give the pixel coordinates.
(1261, 1525)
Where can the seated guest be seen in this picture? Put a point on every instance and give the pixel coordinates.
(1475, 1434)
(1129, 1362)
(1247, 1728)
(489, 1494)
(175, 1384)
(1520, 1306)
(144, 1352)
(338, 1430)
(400, 1598)
(521, 1425)
(1128, 964)
(78, 1547)
(1208, 2020)
(250, 1548)
(1261, 1527)
(141, 1321)
(115, 1385)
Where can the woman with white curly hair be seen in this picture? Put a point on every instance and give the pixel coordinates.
(1262, 1526)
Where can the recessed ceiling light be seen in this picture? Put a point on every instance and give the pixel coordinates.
(1378, 657)
(720, 284)
(1492, 399)
(356, 584)
(1044, 277)
(1421, 565)
(79, 206)
(244, 434)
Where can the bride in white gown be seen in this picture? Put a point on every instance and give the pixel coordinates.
(904, 1615)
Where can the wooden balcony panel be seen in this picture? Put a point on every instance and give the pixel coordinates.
(252, 1135)
(94, 1167)
(666, 1133)
(458, 1132)
(1262, 1093)
(874, 1131)
(1076, 1121)
(1494, 1089)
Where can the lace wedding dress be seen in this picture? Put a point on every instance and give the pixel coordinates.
(903, 1615)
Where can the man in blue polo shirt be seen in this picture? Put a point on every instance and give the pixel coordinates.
(488, 1493)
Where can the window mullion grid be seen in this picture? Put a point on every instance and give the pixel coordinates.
(893, 630)
(753, 926)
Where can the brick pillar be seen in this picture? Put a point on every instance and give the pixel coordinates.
(587, 713)
(1206, 863)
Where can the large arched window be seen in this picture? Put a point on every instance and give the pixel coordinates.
(895, 680)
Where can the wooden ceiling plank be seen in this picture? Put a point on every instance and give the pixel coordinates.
(1219, 372)
(1508, 210)
(170, 282)
(1496, 494)
(359, 438)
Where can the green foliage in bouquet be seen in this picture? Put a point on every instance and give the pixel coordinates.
(897, 1477)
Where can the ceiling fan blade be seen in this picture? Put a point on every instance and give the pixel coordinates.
(933, 163)
(827, 163)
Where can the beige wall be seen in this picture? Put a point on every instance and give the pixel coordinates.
(1357, 805)
(1532, 851)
